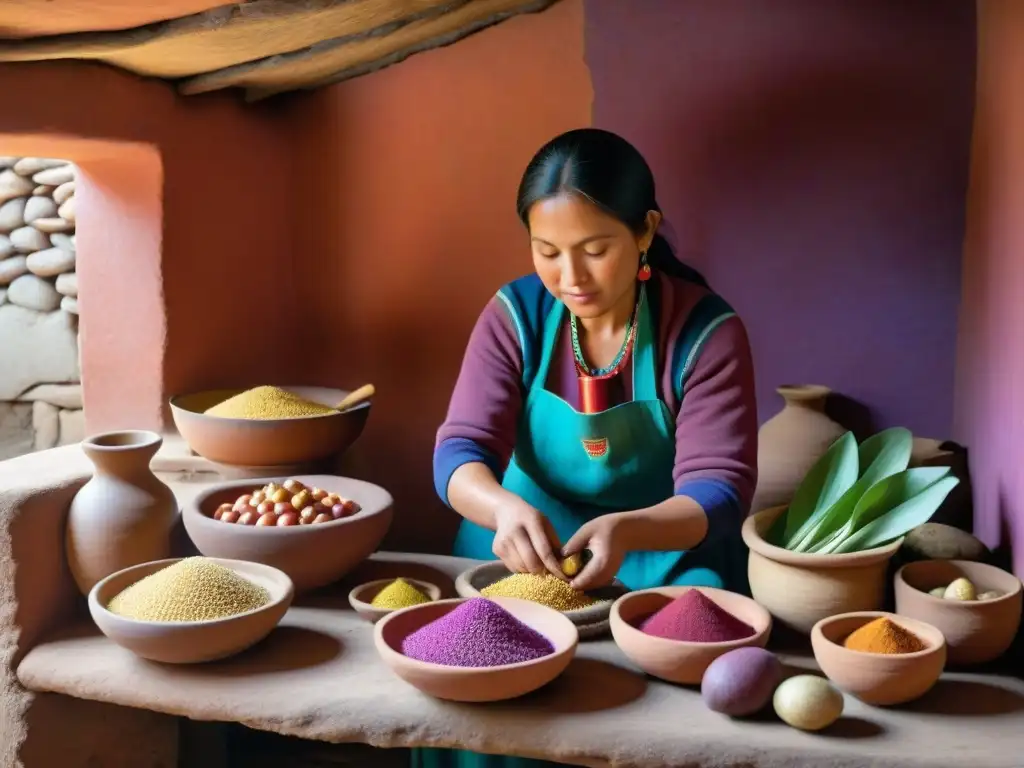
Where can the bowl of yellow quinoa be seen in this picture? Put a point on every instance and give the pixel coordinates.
(376, 599)
(268, 426)
(190, 610)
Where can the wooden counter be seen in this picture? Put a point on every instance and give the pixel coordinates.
(319, 677)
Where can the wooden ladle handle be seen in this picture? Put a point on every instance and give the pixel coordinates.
(356, 397)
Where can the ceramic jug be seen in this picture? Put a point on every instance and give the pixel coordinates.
(124, 515)
(790, 442)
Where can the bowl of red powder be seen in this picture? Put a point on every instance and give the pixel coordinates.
(477, 649)
(674, 633)
(881, 658)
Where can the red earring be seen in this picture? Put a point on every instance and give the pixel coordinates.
(644, 273)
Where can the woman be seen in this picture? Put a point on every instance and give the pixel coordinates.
(605, 403)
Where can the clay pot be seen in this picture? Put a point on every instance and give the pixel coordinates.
(878, 679)
(124, 515)
(976, 631)
(800, 589)
(790, 442)
(679, 661)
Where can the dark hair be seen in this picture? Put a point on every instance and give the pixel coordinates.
(612, 174)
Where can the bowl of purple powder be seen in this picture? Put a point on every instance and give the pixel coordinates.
(674, 633)
(477, 649)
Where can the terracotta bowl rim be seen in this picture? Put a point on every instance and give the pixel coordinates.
(270, 571)
(431, 590)
(176, 406)
(194, 508)
(756, 543)
(681, 645)
(961, 604)
(152, 439)
(931, 635)
(381, 643)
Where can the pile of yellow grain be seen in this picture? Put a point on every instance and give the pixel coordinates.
(544, 589)
(265, 403)
(399, 594)
(193, 589)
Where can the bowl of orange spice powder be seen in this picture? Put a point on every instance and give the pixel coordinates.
(880, 658)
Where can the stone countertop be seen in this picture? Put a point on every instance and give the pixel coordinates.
(318, 677)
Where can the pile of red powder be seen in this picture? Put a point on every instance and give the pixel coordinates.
(695, 618)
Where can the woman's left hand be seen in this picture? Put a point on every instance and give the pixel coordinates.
(603, 537)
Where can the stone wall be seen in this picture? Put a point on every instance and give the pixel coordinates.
(40, 390)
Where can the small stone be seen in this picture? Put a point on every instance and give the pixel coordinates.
(29, 166)
(29, 240)
(59, 395)
(60, 240)
(69, 304)
(43, 346)
(54, 177)
(67, 211)
(72, 427)
(12, 214)
(51, 262)
(12, 185)
(53, 225)
(64, 192)
(67, 284)
(12, 268)
(936, 541)
(46, 425)
(43, 191)
(32, 292)
(39, 208)
(6, 247)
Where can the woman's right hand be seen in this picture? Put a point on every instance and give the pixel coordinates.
(526, 541)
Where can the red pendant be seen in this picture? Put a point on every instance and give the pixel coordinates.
(644, 273)
(595, 393)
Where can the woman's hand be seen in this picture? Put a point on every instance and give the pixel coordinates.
(525, 540)
(603, 537)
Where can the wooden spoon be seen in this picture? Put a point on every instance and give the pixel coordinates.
(356, 397)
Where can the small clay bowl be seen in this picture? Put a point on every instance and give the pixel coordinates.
(191, 642)
(476, 684)
(361, 597)
(976, 631)
(879, 679)
(679, 661)
(312, 555)
(270, 444)
(470, 582)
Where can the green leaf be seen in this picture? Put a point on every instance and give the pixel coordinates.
(900, 520)
(880, 456)
(829, 478)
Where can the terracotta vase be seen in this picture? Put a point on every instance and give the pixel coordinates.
(790, 442)
(124, 515)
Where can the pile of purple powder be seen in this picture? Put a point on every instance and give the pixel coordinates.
(696, 618)
(478, 633)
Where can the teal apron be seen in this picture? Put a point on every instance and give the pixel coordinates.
(574, 467)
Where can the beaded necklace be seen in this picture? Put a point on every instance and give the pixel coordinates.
(582, 369)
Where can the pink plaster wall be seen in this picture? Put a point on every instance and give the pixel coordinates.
(990, 366)
(184, 232)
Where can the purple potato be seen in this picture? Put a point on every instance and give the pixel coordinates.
(741, 682)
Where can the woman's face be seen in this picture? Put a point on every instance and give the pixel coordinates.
(585, 257)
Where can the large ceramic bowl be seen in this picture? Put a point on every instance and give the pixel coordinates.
(878, 678)
(976, 631)
(268, 444)
(190, 642)
(801, 589)
(679, 661)
(591, 621)
(361, 597)
(312, 555)
(476, 684)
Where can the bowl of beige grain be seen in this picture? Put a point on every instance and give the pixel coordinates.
(268, 429)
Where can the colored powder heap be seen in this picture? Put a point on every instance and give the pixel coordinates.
(696, 618)
(266, 403)
(398, 594)
(478, 633)
(545, 589)
(883, 636)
